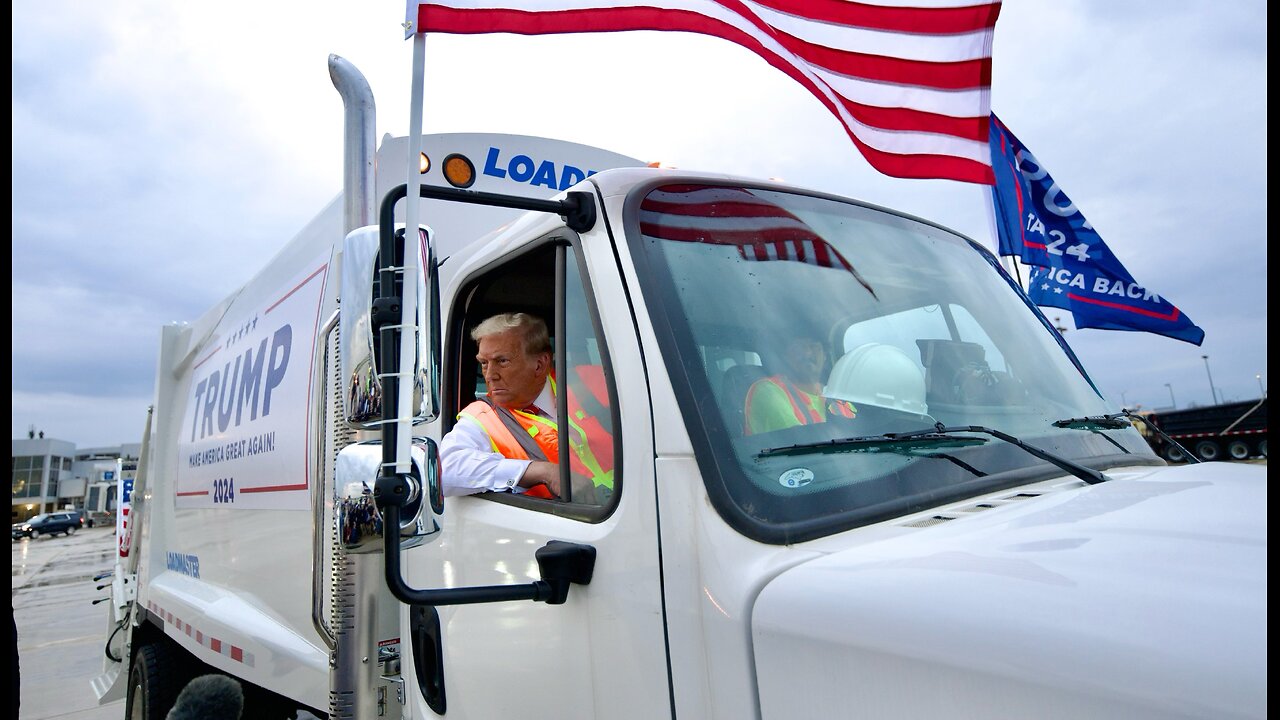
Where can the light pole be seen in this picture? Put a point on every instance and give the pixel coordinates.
(1213, 393)
(1171, 400)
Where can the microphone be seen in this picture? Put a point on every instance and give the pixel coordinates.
(209, 697)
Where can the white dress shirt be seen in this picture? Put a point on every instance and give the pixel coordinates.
(468, 463)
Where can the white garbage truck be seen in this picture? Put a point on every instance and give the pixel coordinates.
(957, 523)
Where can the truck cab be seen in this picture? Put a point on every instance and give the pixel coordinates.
(894, 556)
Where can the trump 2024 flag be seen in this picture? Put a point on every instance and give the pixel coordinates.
(1072, 268)
(911, 85)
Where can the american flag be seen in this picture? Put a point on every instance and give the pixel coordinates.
(910, 83)
(760, 230)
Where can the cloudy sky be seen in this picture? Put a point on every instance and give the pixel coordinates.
(163, 151)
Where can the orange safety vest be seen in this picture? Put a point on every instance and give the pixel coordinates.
(843, 408)
(598, 438)
(591, 445)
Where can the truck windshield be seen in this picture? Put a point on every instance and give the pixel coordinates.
(791, 320)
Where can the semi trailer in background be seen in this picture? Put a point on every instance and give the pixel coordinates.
(1229, 431)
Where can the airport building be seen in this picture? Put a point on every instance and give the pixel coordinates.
(50, 474)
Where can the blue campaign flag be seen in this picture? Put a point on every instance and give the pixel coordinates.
(1072, 268)
(1097, 300)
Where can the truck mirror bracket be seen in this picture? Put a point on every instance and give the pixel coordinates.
(392, 489)
(560, 563)
(384, 310)
(578, 208)
(581, 215)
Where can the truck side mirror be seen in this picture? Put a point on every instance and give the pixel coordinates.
(359, 362)
(361, 526)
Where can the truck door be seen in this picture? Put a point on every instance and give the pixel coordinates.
(603, 653)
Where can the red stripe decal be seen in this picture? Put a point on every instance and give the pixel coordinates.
(235, 653)
(1170, 316)
(274, 488)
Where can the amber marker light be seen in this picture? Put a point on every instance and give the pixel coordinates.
(424, 163)
(459, 171)
(662, 165)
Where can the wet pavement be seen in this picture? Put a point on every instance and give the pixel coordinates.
(60, 632)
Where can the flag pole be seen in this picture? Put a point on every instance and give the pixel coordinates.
(1011, 262)
(412, 271)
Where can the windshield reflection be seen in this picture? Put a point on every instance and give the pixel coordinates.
(795, 320)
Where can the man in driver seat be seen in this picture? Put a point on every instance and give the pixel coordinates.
(794, 397)
(509, 439)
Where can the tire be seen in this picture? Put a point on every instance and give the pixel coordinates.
(1262, 447)
(71, 531)
(155, 679)
(1239, 450)
(1208, 450)
(34, 534)
(1173, 454)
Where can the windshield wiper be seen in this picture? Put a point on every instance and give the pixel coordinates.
(888, 442)
(1095, 423)
(956, 461)
(898, 443)
(1091, 422)
(936, 435)
(1112, 421)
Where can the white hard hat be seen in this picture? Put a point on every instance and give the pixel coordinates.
(880, 375)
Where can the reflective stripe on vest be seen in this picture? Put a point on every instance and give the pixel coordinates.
(546, 435)
(843, 408)
(587, 425)
(592, 446)
(501, 439)
(785, 387)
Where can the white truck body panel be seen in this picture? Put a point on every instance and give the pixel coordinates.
(602, 653)
(1146, 615)
(708, 599)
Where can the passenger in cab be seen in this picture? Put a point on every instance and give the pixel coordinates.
(794, 396)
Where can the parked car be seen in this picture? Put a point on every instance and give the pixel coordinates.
(48, 524)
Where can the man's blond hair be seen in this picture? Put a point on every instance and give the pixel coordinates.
(534, 331)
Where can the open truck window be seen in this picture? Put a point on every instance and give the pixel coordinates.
(548, 281)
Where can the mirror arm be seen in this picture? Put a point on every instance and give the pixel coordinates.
(578, 208)
(560, 564)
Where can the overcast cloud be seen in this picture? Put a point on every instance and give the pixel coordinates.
(162, 152)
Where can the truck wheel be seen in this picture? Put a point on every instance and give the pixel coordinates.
(1173, 454)
(153, 683)
(1208, 450)
(1262, 448)
(1238, 450)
